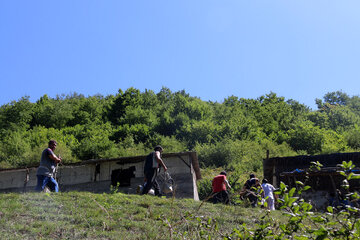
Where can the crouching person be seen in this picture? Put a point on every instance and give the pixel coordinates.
(219, 185)
(251, 189)
(153, 163)
(46, 170)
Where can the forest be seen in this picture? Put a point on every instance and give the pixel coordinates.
(234, 134)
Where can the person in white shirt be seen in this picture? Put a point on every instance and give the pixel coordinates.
(268, 194)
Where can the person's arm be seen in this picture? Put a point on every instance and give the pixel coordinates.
(262, 192)
(243, 191)
(227, 183)
(275, 195)
(159, 160)
(54, 157)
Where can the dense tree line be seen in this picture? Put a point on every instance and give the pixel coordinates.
(235, 133)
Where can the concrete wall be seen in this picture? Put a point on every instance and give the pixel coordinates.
(95, 175)
(318, 199)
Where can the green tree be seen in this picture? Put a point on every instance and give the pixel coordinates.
(49, 113)
(342, 118)
(314, 140)
(336, 98)
(95, 142)
(131, 98)
(273, 115)
(16, 115)
(352, 137)
(86, 110)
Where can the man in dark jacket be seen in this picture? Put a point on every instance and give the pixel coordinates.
(153, 163)
(250, 189)
(46, 170)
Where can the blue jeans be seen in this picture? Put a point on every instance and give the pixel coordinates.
(43, 181)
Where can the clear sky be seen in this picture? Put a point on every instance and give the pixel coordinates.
(212, 49)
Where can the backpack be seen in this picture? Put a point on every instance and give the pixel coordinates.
(148, 162)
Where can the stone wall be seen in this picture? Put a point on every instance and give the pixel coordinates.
(96, 175)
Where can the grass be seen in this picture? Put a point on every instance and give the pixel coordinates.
(83, 215)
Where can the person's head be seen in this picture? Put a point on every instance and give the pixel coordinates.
(252, 175)
(223, 173)
(158, 148)
(52, 144)
(264, 180)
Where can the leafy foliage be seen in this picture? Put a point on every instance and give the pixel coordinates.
(234, 134)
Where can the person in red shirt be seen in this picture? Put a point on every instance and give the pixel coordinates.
(219, 191)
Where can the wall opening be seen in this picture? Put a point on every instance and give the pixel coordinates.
(122, 176)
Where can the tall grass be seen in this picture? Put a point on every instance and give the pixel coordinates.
(82, 215)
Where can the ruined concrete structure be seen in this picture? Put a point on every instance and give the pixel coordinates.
(324, 182)
(98, 175)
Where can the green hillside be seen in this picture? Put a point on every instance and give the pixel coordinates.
(234, 134)
(77, 215)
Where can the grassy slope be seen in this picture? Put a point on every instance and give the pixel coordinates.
(84, 215)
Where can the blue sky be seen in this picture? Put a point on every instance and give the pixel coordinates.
(212, 49)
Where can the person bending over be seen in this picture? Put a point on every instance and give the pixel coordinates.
(219, 185)
(251, 189)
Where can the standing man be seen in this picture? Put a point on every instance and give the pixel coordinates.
(153, 163)
(219, 185)
(46, 170)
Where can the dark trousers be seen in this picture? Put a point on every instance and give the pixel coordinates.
(253, 198)
(221, 197)
(151, 182)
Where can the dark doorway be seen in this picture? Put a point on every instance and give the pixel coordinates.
(122, 176)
